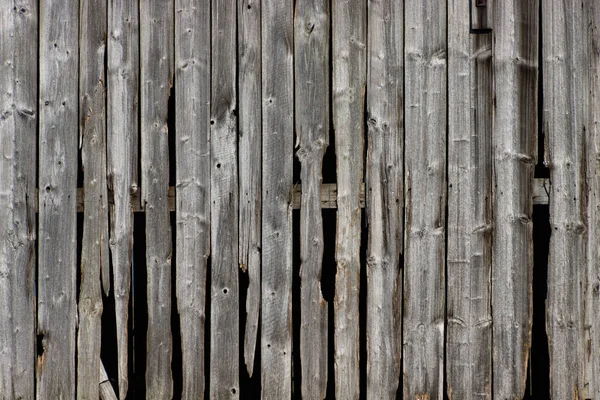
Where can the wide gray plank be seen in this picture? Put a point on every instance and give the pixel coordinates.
(515, 71)
(277, 35)
(192, 146)
(385, 196)
(18, 123)
(156, 56)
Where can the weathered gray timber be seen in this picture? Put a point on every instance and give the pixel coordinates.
(94, 248)
(515, 72)
(224, 312)
(106, 389)
(385, 196)
(156, 56)
(349, 77)
(192, 146)
(122, 144)
(18, 123)
(311, 103)
(469, 314)
(249, 148)
(277, 34)
(58, 147)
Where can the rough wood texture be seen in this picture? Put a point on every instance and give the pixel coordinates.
(18, 123)
(469, 314)
(385, 196)
(58, 106)
(515, 74)
(224, 311)
(277, 34)
(311, 65)
(249, 147)
(122, 143)
(192, 144)
(94, 249)
(106, 389)
(157, 31)
(349, 78)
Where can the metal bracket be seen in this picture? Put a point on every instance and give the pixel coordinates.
(480, 16)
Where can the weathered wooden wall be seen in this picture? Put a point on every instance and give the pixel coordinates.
(222, 117)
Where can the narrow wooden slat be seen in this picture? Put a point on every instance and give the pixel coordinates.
(224, 316)
(156, 56)
(385, 197)
(311, 66)
(122, 144)
(277, 35)
(192, 146)
(469, 336)
(564, 72)
(106, 390)
(18, 122)
(349, 78)
(249, 147)
(425, 203)
(515, 74)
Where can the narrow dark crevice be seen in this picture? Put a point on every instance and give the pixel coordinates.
(400, 390)
(207, 307)
(108, 348)
(176, 366)
(296, 317)
(362, 306)
(140, 311)
(328, 291)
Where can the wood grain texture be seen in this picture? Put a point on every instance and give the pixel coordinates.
(18, 124)
(94, 268)
(349, 77)
(311, 66)
(224, 317)
(469, 318)
(249, 159)
(515, 71)
(122, 143)
(192, 146)
(156, 56)
(385, 196)
(277, 35)
(58, 148)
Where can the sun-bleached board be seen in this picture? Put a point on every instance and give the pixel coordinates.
(18, 123)
(249, 148)
(515, 72)
(385, 196)
(469, 335)
(311, 66)
(156, 57)
(349, 41)
(277, 34)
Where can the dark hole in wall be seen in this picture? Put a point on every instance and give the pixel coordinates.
(108, 349)
(362, 305)
(139, 316)
(296, 317)
(176, 367)
(328, 290)
(207, 322)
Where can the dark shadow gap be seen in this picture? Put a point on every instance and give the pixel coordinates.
(362, 305)
(296, 317)
(140, 312)
(176, 366)
(207, 296)
(328, 290)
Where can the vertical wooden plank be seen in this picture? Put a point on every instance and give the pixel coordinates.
(18, 123)
(277, 151)
(349, 77)
(425, 191)
(94, 250)
(224, 326)
(564, 67)
(192, 113)
(58, 108)
(250, 180)
(515, 71)
(469, 336)
(157, 31)
(122, 143)
(311, 66)
(385, 196)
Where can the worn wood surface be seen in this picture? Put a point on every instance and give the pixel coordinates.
(249, 159)
(18, 123)
(469, 319)
(515, 71)
(311, 66)
(58, 148)
(385, 197)
(156, 56)
(224, 311)
(277, 35)
(349, 41)
(425, 190)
